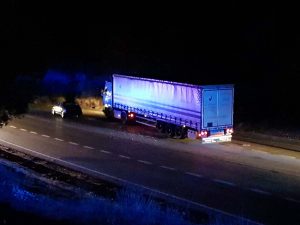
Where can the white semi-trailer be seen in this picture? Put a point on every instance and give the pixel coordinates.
(178, 109)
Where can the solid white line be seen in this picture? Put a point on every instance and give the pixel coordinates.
(167, 168)
(194, 174)
(125, 157)
(13, 127)
(186, 201)
(44, 135)
(144, 162)
(106, 152)
(262, 152)
(260, 191)
(224, 182)
(23, 129)
(292, 200)
(88, 147)
(73, 143)
(58, 139)
(33, 132)
(288, 156)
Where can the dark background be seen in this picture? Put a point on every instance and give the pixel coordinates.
(254, 46)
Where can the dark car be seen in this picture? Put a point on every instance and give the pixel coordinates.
(68, 109)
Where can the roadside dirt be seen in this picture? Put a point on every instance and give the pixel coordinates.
(99, 187)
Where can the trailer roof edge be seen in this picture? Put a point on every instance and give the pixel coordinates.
(173, 82)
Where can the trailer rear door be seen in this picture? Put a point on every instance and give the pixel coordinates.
(217, 107)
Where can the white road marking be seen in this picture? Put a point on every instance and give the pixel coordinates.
(126, 182)
(262, 152)
(73, 143)
(224, 182)
(88, 147)
(13, 127)
(167, 168)
(288, 156)
(260, 191)
(145, 162)
(33, 132)
(124, 156)
(106, 152)
(44, 135)
(58, 139)
(23, 129)
(194, 174)
(246, 145)
(292, 200)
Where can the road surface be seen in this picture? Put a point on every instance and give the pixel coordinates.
(254, 181)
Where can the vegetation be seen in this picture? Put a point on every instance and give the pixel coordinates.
(128, 208)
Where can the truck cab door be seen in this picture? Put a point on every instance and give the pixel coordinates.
(107, 94)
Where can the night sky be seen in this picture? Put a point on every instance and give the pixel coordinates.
(255, 47)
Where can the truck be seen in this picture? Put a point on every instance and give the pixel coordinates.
(180, 110)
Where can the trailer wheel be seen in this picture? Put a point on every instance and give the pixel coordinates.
(178, 132)
(161, 127)
(183, 133)
(171, 131)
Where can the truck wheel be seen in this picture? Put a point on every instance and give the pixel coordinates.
(124, 117)
(170, 131)
(178, 131)
(183, 133)
(161, 127)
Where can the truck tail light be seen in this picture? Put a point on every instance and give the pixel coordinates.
(229, 130)
(202, 134)
(131, 115)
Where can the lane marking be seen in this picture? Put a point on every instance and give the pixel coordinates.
(124, 156)
(259, 151)
(168, 168)
(73, 143)
(145, 162)
(88, 147)
(33, 132)
(194, 174)
(44, 135)
(106, 152)
(292, 200)
(260, 191)
(23, 129)
(224, 182)
(13, 127)
(288, 156)
(58, 139)
(126, 182)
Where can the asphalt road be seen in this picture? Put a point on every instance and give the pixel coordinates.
(254, 181)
